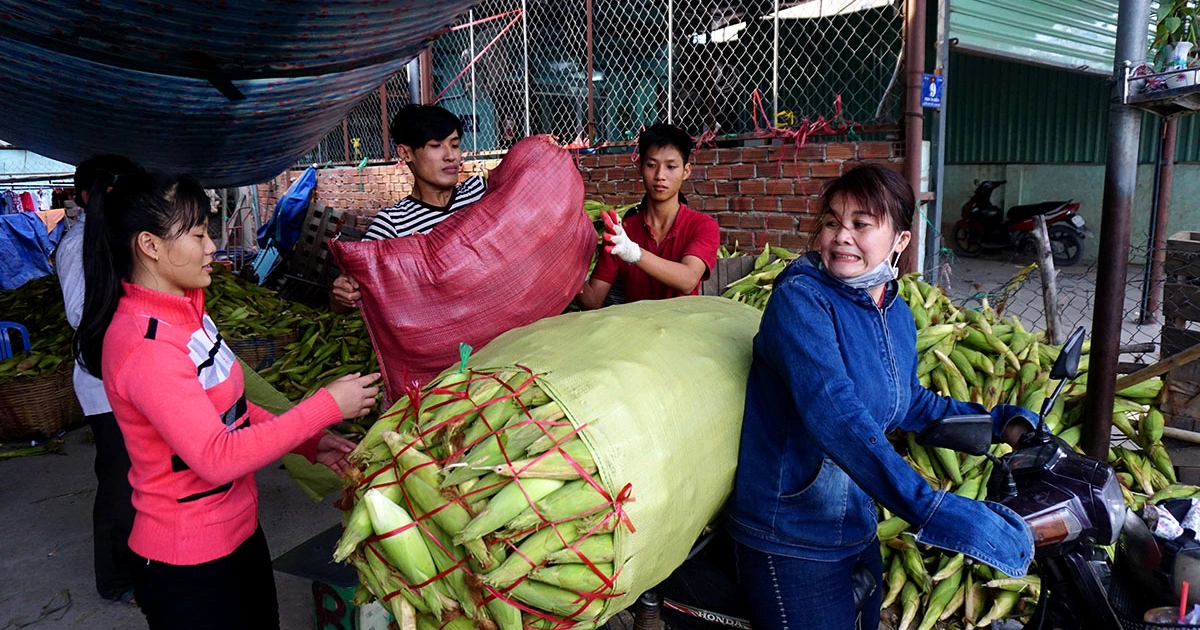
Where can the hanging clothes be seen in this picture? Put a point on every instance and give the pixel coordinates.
(27, 203)
(44, 198)
(12, 202)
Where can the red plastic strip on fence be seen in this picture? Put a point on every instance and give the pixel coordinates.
(495, 39)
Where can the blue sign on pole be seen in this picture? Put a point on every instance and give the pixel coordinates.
(932, 90)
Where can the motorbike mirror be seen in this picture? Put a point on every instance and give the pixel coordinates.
(1067, 365)
(969, 434)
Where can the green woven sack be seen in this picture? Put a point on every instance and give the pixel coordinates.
(656, 391)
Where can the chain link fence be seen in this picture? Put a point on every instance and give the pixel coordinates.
(597, 71)
(1011, 283)
(361, 133)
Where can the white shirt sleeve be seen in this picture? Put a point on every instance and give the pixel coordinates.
(69, 260)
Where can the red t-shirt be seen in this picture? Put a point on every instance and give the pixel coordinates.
(692, 234)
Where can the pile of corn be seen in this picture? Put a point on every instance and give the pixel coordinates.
(507, 486)
(328, 346)
(244, 310)
(241, 310)
(38, 306)
(755, 288)
(978, 356)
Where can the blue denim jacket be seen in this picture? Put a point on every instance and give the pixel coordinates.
(832, 375)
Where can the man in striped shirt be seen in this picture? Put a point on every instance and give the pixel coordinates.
(427, 138)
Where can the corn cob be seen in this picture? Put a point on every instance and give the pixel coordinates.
(532, 552)
(507, 504)
(576, 577)
(595, 548)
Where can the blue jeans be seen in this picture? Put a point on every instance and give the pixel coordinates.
(784, 593)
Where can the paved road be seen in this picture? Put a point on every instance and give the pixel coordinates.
(46, 542)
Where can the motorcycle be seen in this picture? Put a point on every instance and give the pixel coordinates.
(985, 227)
(1071, 502)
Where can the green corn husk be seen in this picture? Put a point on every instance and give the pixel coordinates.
(506, 505)
(596, 548)
(532, 552)
(575, 577)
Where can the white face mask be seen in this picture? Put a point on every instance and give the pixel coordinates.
(886, 271)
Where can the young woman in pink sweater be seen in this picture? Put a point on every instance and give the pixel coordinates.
(178, 395)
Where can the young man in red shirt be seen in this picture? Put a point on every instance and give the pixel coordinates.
(662, 249)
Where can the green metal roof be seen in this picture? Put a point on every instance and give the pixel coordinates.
(1076, 35)
(1005, 112)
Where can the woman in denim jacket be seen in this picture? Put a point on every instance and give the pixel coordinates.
(834, 372)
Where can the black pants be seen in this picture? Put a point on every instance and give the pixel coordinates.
(236, 592)
(112, 513)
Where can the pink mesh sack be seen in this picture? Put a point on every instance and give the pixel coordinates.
(517, 255)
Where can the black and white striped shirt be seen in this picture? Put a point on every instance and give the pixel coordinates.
(410, 216)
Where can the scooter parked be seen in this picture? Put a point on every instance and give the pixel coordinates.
(985, 227)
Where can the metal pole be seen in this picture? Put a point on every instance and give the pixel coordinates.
(914, 62)
(525, 32)
(474, 94)
(383, 120)
(670, 61)
(933, 244)
(591, 87)
(413, 69)
(1120, 181)
(1144, 316)
(427, 76)
(345, 140)
(1158, 231)
(775, 70)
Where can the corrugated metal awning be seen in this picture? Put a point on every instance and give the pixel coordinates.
(232, 92)
(1076, 35)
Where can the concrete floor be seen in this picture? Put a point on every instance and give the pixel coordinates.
(46, 576)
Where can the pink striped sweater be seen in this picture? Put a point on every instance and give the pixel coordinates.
(194, 441)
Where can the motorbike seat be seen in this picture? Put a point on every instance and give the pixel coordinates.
(1020, 213)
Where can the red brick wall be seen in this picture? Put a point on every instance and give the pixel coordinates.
(759, 195)
(362, 192)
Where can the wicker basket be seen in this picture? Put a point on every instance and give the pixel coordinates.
(39, 407)
(261, 352)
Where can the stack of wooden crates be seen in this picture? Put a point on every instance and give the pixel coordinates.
(311, 269)
(1180, 331)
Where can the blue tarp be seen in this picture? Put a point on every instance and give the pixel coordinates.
(284, 226)
(25, 248)
(233, 92)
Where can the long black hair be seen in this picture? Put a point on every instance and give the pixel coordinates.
(121, 206)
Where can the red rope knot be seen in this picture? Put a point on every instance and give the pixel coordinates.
(624, 496)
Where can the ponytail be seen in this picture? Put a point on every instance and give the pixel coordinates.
(102, 277)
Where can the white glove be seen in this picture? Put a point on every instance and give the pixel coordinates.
(619, 244)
